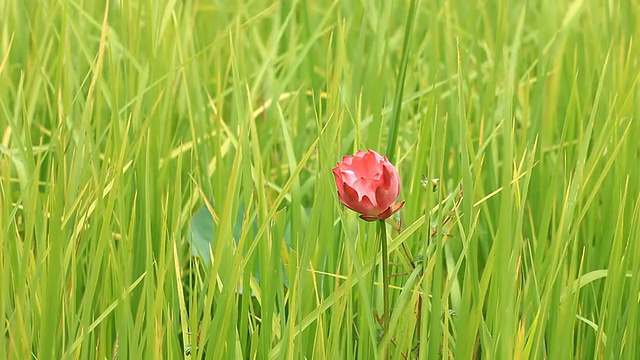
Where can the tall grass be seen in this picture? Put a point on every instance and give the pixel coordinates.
(120, 120)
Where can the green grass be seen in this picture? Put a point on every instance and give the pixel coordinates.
(119, 120)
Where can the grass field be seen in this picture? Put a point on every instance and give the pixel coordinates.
(134, 134)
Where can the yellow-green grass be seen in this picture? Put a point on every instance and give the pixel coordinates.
(119, 120)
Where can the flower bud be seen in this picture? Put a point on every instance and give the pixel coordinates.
(368, 184)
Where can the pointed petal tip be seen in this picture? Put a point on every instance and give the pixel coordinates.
(390, 211)
(397, 207)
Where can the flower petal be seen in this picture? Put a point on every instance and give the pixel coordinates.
(348, 177)
(360, 153)
(366, 167)
(378, 157)
(346, 160)
(391, 178)
(369, 217)
(390, 211)
(337, 175)
(354, 201)
(388, 190)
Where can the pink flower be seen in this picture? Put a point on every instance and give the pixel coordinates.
(368, 184)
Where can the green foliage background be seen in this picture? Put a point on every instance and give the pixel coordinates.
(119, 120)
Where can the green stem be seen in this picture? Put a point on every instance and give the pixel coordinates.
(385, 283)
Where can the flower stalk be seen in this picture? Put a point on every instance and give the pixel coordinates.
(386, 315)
